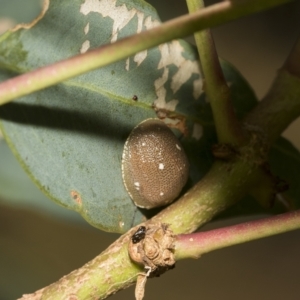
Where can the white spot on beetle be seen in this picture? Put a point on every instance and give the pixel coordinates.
(161, 193)
(178, 147)
(85, 46)
(161, 166)
(143, 144)
(137, 184)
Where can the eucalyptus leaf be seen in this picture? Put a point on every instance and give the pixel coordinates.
(69, 138)
(17, 190)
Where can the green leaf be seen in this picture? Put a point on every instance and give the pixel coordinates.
(12, 176)
(16, 189)
(25, 11)
(70, 137)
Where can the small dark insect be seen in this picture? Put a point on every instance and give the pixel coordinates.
(139, 235)
(135, 98)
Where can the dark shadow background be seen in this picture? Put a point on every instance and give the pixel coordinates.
(37, 247)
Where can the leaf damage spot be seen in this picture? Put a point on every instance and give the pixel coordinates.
(185, 71)
(172, 54)
(140, 57)
(127, 64)
(198, 88)
(76, 197)
(197, 131)
(149, 23)
(121, 16)
(160, 102)
(85, 46)
(87, 28)
(109, 8)
(177, 69)
(179, 124)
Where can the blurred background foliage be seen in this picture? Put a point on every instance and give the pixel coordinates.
(40, 241)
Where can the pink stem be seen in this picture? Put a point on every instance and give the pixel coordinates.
(195, 244)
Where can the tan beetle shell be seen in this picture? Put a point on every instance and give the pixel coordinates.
(154, 165)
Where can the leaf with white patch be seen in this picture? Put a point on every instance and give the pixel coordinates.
(70, 137)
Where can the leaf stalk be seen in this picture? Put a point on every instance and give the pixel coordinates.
(195, 244)
(228, 127)
(179, 27)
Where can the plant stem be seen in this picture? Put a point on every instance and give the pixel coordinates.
(107, 273)
(225, 184)
(185, 25)
(195, 244)
(281, 105)
(278, 109)
(227, 125)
